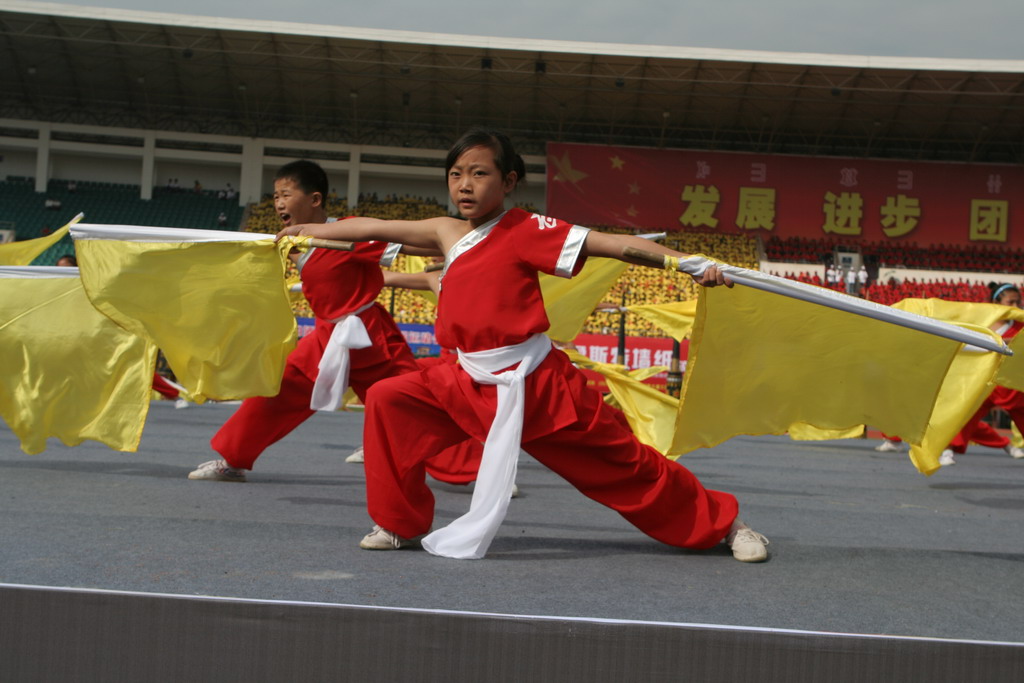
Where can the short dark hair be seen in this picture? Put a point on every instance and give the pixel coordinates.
(505, 157)
(307, 175)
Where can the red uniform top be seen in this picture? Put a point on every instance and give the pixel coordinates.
(490, 297)
(338, 282)
(1011, 332)
(490, 293)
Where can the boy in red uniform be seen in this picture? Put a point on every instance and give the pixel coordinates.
(354, 343)
(510, 388)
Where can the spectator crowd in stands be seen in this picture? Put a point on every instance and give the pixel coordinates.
(989, 259)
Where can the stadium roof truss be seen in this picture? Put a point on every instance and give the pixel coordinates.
(146, 70)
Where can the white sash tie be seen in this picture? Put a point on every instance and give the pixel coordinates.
(469, 536)
(332, 381)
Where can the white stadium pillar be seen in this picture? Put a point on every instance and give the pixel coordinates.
(43, 158)
(252, 172)
(354, 162)
(148, 165)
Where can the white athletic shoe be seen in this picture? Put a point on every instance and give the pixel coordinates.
(889, 446)
(382, 539)
(947, 459)
(217, 470)
(180, 403)
(747, 545)
(1015, 451)
(357, 455)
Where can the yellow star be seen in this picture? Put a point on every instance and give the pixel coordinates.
(634, 188)
(565, 171)
(632, 211)
(617, 163)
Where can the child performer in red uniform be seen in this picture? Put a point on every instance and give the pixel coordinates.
(491, 310)
(341, 287)
(1010, 400)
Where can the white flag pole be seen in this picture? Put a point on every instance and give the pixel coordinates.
(695, 266)
(141, 233)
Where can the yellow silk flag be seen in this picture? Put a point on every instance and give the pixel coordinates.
(967, 383)
(799, 431)
(761, 363)
(214, 302)
(1011, 372)
(569, 302)
(66, 370)
(650, 412)
(23, 253)
(971, 377)
(675, 318)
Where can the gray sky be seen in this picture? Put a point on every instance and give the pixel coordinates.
(973, 29)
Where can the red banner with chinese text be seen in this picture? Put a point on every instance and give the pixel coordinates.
(641, 352)
(867, 200)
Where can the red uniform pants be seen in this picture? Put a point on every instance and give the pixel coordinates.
(164, 388)
(980, 432)
(406, 422)
(261, 421)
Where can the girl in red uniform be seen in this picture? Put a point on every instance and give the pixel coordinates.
(1010, 400)
(510, 388)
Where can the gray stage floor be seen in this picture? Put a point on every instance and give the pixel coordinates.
(860, 542)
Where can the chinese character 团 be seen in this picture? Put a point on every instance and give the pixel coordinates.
(843, 213)
(703, 201)
(989, 218)
(900, 215)
(756, 208)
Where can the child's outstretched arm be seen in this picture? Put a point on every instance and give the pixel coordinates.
(424, 234)
(614, 246)
(418, 281)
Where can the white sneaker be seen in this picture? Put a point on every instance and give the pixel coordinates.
(217, 470)
(889, 446)
(747, 545)
(1015, 451)
(382, 539)
(515, 491)
(180, 403)
(947, 459)
(357, 455)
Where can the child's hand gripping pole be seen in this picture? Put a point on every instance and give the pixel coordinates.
(696, 267)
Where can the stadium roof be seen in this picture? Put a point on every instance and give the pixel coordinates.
(149, 70)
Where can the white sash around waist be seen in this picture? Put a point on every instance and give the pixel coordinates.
(469, 536)
(332, 381)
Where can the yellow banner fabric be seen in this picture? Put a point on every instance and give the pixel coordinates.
(66, 370)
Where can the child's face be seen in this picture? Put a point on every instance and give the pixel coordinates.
(477, 186)
(294, 206)
(1010, 298)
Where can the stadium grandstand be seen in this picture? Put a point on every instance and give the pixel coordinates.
(144, 118)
